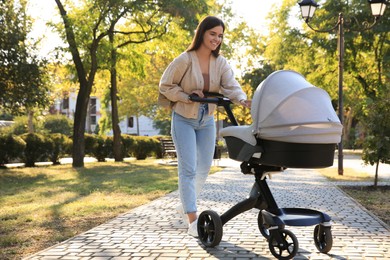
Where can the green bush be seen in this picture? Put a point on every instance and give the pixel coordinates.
(158, 149)
(129, 143)
(90, 144)
(20, 126)
(11, 147)
(62, 145)
(145, 146)
(104, 148)
(97, 146)
(58, 124)
(38, 148)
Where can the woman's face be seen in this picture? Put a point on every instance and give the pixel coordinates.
(212, 38)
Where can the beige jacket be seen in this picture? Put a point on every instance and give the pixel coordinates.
(186, 68)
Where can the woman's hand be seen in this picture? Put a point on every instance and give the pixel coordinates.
(196, 92)
(246, 103)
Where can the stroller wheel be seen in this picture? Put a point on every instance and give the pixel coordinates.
(283, 244)
(323, 238)
(210, 228)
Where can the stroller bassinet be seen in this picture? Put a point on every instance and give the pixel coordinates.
(294, 125)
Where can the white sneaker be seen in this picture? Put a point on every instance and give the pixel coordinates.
(193, 229)
(184, 216)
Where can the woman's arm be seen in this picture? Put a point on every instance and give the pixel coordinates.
(170, 81)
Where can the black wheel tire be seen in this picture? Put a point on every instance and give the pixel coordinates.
(323, 239)
(210, 229)
(289, 244)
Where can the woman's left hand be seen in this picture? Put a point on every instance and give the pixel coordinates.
(246, 103)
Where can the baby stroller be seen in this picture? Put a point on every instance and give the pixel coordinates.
(294, 126)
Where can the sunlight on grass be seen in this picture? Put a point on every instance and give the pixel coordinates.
(42, 206)
(349, 174)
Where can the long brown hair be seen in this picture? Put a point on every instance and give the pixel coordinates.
(207, 23)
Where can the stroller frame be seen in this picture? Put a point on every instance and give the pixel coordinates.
(272, 220)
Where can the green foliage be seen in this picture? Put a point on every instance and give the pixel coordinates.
(58, 124)
(5, 116)
(62, 145)
(145, 146)
(22, 76)
(163, 125)
(129, 143)
(376, 147)
(11, 147)
(38, 148)
(98, 146)
(366, 69)
(20, 125)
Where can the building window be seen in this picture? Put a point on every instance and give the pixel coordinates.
(93, 120)
(130, 122)
(92, 106)
(65, 103)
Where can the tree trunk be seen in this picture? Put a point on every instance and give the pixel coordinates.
(117, 144)
(30, 123)
(78, 149)
(376, 174)
(348, 119)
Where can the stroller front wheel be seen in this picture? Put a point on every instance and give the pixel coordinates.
(323, 238)
(283, 244)
(210, 228)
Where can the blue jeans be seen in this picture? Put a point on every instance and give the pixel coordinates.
(195, 143)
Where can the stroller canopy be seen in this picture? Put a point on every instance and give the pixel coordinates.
(285, 107)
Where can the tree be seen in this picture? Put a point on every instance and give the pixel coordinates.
(86, 29)
(147, 21)
(314, 54)
(85, 74)
(376, 148)
(22, 76)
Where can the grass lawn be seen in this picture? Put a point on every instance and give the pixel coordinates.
(375, 199)
(42, 206)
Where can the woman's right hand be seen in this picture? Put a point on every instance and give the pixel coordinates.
(197, 92)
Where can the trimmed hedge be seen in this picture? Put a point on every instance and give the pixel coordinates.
(97, 146)
(32, 148)
(62, 146)
(37, 149)
(11, 148)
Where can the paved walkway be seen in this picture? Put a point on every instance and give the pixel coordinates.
(155, 231)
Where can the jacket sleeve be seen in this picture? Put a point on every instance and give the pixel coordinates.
(173, 74)
(229, 85)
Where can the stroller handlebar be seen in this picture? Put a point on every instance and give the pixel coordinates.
(219, 100)
(211, 97)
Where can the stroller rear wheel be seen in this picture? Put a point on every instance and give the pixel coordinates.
(283, 244)
(323, 238)
(210, 228)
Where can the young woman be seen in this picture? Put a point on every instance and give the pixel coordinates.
(199, 69)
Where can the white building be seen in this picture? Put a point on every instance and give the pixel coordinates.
(130, 125)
